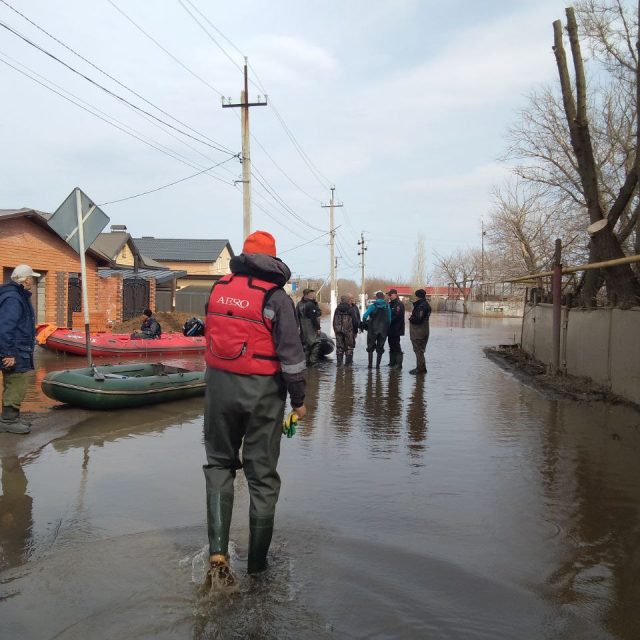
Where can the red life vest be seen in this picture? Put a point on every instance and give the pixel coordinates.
(237, 334)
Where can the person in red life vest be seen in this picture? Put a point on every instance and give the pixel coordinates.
(254, 357)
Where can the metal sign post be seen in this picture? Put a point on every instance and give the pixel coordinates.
(83, 270)
(78, 221)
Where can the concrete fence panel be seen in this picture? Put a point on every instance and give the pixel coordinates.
(588, 334)
(625, 353)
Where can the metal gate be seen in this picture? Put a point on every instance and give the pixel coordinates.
(135, 297)
(74, 297)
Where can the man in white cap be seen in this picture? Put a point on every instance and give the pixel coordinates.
(17, 340)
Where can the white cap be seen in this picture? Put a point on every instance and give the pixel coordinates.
(23, 271)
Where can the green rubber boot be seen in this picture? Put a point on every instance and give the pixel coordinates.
(260, 532)
(219, 510)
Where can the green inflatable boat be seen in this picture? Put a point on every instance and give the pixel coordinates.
(122, 386)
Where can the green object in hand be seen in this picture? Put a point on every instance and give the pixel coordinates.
(290, 425)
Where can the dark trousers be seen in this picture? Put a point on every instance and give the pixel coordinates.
(375, 342)
(243, 411)
(419, 337)
(394, 344)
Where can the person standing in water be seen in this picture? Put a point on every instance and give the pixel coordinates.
(254, 357)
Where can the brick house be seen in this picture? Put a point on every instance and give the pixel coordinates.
(25, 237)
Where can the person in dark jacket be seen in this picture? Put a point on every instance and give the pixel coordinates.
(150, 328)
(17, 340)
(345, 326)
(419, 330)
(254, 358)
(378, 318)
(396, 329)
(309, 313)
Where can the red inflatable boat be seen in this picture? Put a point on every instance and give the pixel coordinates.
(116, 344)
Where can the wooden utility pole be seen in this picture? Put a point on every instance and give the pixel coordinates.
(332, 264)
(244, 104)
(362, 248)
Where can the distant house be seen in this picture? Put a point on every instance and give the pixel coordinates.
(205, 261)
(146, 283)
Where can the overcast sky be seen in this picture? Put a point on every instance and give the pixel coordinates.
(402, 104)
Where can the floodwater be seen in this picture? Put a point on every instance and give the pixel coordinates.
(459, 505)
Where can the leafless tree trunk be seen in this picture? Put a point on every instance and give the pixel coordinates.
(622, 285)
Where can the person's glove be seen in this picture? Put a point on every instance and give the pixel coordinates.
(290, 424)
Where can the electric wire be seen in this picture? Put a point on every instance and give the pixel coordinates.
(304, 244)
(108, 91)
(272, 192)
(113, 123)
(323, 180)
(165, 186)
(106, 73)
(173, 57)
(204, 29)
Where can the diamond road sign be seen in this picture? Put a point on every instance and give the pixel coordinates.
(65, 221)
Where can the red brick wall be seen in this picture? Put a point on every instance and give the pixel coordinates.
(24, 241)
(110, 295)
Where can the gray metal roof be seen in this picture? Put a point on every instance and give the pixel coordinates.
(181, 250)
(159, 275)
(110, 243)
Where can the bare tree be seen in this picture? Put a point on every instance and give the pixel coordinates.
(419, 275)
(622, 285)
(523, 225)
(460, 270)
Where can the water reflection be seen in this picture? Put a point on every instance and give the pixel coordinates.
(343, 401)
(382, 427)
(417, 421)
(16, 519)
(596, 473)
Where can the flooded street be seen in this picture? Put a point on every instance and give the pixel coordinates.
(462, 505)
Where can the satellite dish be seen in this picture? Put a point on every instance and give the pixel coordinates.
(592, 229)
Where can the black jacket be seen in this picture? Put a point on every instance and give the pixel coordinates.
(421, 312)
(151, 327)
(310, 310)
(280, 310)
(396, 328)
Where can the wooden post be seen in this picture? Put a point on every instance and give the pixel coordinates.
(557, 307)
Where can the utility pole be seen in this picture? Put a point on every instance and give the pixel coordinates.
(362, 248)
(332, 264)
(244, 104)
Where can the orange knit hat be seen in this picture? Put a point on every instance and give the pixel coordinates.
(260, 242)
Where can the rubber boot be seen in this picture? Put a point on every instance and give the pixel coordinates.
(392, 359)
(378, 360)
(348, 360)
(370, 354)
(219, 510)
(260, 533)
(339, 359)
(10, 422)
(399, 359)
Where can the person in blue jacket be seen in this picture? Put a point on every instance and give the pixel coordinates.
(17, 340)
(377, 318)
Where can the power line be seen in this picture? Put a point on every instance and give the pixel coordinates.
(272, 192)
(324, 182)
(107, 74)
(304, 244)
(165, 186)
(224, 51)
(174, 58)
(109, 92)
(115, 123)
